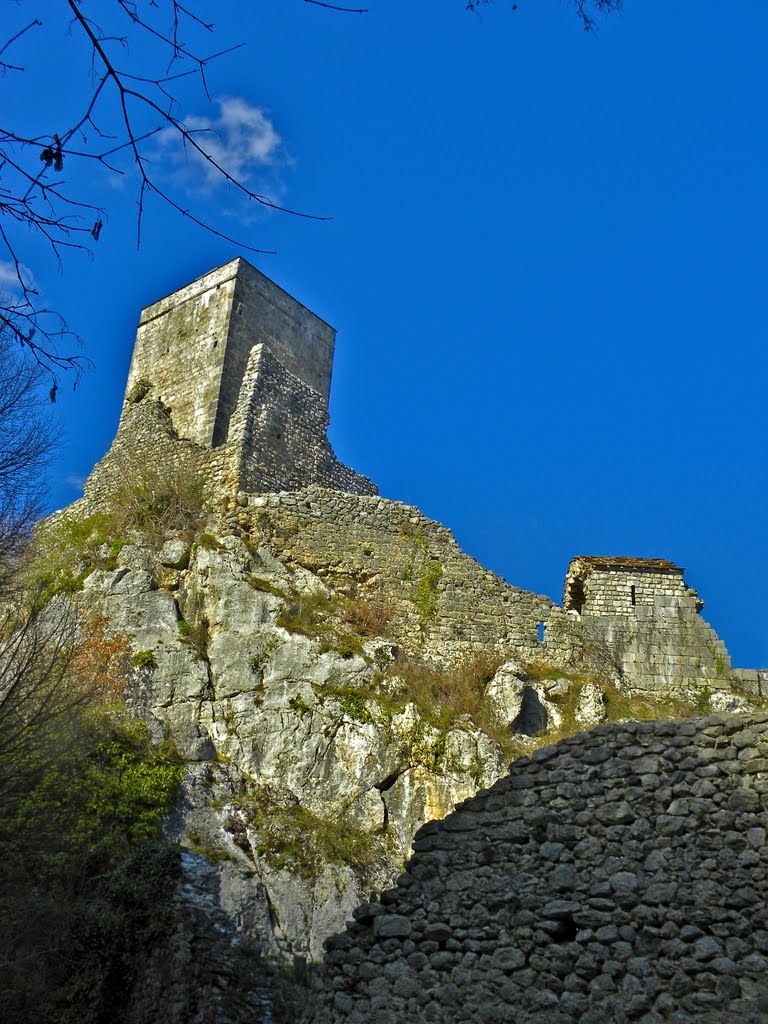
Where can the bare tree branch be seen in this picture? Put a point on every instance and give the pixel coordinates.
(585, 9)
(335, 7)
(13, 67)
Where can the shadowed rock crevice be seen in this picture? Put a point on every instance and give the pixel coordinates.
(532, 719)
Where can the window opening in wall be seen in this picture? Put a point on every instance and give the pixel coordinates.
(576, 596)
(633, 595)
(540, 631)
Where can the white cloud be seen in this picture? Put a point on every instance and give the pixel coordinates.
(241, 139)
(75, 481)
(9, 279)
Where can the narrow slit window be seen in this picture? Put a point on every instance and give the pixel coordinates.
(540, 631)
(633, 595)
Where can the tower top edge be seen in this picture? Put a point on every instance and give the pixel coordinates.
(238, 268)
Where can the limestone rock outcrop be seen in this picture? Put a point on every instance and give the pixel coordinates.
(309, 766)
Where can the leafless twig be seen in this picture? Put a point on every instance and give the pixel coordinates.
(335, 7)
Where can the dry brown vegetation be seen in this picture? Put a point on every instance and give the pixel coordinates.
(369, 618)
(101, 663)
(442, 695)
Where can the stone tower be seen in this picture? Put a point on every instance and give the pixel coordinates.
(194, 346)
(242, 370)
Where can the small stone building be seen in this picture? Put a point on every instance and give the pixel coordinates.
(599, 585)
(649, 618)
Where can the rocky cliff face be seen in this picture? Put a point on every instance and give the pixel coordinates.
(309, 768)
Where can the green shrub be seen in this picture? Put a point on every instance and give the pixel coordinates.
(267, 587)
(64, 551)
(296, 703)
(291, 836)
(213, 854)
(197, 636)
(108, 798)
(207, 540)
(352, 703)
(347, 645)
(426, 746)
(425, 573)
(145, 659)
(426, 591)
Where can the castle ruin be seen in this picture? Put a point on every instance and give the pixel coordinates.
(230, 378)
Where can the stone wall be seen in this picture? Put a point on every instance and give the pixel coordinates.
(146, 437)
(445, 605)
(278, 433)
(619, 875)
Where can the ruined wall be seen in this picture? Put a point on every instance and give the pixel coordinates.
(445, 605)
(619, 875)
(146, 438)
(278, 433)
(644, 611)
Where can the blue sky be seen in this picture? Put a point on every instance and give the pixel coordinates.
(547, 264)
